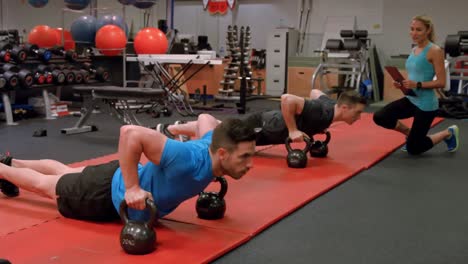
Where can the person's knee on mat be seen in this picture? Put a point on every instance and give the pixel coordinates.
(412, 149)
(418, 146)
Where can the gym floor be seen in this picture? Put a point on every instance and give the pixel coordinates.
(404, 209)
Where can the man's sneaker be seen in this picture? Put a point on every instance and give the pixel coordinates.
(6, 159)
(452, 141)
(6, 187)
(182, 138)
(163, 129)
(403, 148)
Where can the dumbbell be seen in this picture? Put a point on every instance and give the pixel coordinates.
(69, 75)
(3, 84)
(11, 79)
(79, 75)
(84, 73)
(456, 45)
(56, 75)
(34, 50)
(40, 78)
(25, 77)
(5, 55)
(8, 52)
(100, 73)
(68, 54)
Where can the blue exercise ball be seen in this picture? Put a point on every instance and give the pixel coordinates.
(111, 20)
(144, 4)
(77, 4)
(83, 29)
(127, 2)
(38, 3)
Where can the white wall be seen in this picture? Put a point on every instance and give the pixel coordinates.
(261, 15)
(389, 18)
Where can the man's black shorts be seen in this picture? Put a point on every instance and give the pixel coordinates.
(87, 195)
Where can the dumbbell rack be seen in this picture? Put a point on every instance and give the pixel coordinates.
(7, 94)
(238, 68)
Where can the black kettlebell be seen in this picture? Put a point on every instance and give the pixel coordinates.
(297, 158)
(319, 149)
(211, 205)
(137, 237)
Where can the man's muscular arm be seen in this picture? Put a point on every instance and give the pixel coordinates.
(291, 106)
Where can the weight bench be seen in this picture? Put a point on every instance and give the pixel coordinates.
(114, 100)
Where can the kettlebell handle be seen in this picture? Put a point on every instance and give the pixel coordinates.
(149, 204)
(306, 148)
(224, 186)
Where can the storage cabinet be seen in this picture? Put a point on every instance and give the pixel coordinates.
(281, 44)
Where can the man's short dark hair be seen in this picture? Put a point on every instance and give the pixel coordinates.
(231, 132)
(351, 98)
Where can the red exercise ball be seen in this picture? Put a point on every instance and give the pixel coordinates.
(111, 40)
(69, 43)
(150, 40)
(43, 36)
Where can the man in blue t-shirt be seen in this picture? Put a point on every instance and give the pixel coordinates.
(175, 172)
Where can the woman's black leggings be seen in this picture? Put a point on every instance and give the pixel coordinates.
(417, 141)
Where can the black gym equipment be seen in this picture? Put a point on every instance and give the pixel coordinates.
(58, 77)
(11, 34)
(136, 237)
(5, 55)
(211, 205)
(69, 75)
(348, 58)
(69, 55)
(346, 33)
(40, 78)
(319, 149)
(3, 83)
(41, 53)
(78, 75)
(9, 52)
(25, 77)
(334, 44)
(297, 158)
(456, 45)
(81, 76)
(10, 78)
(99, 73)
(85, 75)
(40, 132)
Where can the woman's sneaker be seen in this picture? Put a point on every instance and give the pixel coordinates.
(6, 187)
(452, 141)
